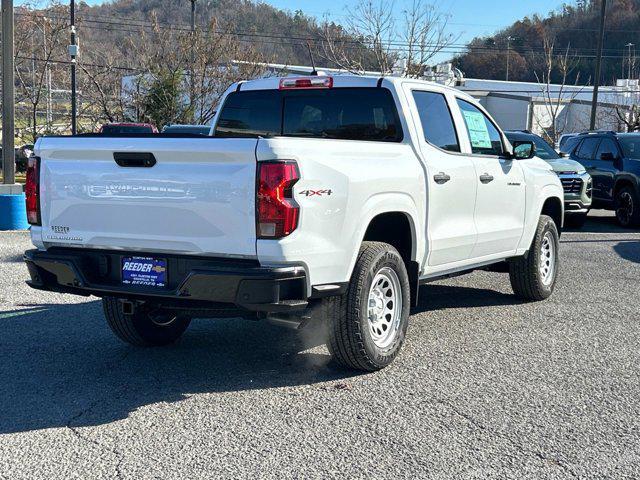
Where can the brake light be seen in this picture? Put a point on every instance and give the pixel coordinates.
(32, 190)
(306, 82)
(276, 211)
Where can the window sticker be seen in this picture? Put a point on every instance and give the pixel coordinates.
(478, 131)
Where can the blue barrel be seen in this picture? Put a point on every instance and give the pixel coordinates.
(13, 212)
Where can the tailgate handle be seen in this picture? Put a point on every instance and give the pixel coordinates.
(134, 159)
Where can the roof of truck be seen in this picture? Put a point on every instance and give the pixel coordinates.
(343, 81)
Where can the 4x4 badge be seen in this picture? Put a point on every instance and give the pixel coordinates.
(311, 193)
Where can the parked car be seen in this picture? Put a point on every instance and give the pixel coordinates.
(613, 161)
(21, 155)
(127, 128)
(577, 183)
(319, 199)
(193, 129)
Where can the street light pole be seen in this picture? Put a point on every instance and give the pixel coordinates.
(596, 80)
(629, 45)
(8, 105)
(73, 52)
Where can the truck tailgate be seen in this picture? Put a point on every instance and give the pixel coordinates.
(198, 197)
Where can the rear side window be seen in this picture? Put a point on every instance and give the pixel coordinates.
(340, 113)
(250, 114)
(484, 136)
(436, 120)
(587, 149)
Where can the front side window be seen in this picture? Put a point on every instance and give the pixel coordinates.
(436, 120)
(607, 148)
(484, 136)
(587, 149)
(630, 145)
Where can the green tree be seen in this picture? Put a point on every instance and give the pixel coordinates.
(163, 102)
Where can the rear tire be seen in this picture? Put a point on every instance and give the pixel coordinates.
(144, 328)
(368, 324)
(627, 207)
(533, 277)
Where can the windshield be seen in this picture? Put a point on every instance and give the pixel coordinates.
(630, 145)
(543, 149)
(126, 129)
(193, 129)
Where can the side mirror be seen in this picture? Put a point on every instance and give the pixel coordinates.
(607, 156)
(523, 150)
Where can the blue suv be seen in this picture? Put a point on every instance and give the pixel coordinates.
(613, 161)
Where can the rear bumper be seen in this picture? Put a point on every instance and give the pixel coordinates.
(193, 282)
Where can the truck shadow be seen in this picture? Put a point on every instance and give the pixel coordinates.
(442, 297)
(629, 250)
(61, 365)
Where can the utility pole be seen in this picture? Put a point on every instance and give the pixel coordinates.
(509, 38)
(73, 53)
(8, 105)
(596, 80)
(629, 45)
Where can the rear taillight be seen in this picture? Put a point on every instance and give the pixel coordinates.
(32, 190)
(276, 211)
(306, 82)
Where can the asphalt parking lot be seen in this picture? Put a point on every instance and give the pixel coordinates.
(486, 387)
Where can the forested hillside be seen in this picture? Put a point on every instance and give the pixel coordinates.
(572, 28)
(277, 34)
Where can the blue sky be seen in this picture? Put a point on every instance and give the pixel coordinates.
(467, 18)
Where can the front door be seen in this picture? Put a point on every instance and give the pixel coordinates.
(603, 169)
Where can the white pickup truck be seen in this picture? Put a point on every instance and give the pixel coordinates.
(320, 197)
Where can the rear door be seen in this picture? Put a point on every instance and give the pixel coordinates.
(500, 186)
(585, 153)
(451, 181)
(197, 196)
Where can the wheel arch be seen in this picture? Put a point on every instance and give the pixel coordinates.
(625, 181)
(398, 227)
(554, 208)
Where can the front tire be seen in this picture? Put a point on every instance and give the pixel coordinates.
(145, 327)
(627, 207)
(368, 324)
(533, 277)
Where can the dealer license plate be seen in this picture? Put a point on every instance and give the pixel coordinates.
(145, 271)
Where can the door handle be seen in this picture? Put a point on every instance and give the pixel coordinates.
(441, 178)
(486, 178)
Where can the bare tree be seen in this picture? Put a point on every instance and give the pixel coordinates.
(204, 63)
(373, 40)
(425, 35)
(556, 96)
(41, 41)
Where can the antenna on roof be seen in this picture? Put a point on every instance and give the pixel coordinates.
(313, 64)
